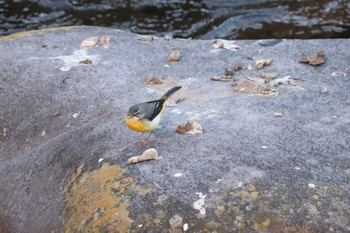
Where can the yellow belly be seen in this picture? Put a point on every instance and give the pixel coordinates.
(140, 125)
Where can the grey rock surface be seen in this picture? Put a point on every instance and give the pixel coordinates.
(64, 145)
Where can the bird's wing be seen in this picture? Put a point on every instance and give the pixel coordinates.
(153, 108)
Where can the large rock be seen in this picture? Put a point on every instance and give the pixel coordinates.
(276, 161)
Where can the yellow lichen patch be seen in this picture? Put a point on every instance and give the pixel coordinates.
(251, 188)
(254, 195)
(74, 177)
(219, 210)
(160, 214)
(263, 225)
(200, 216)
(94, 201)
(240, 225)
(157, 221)
(32, 32)
(242, 194)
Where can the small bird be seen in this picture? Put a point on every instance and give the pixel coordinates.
(145, 117)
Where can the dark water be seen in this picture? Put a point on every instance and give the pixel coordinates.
(243, 19)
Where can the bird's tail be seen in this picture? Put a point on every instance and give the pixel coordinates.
(170, 92)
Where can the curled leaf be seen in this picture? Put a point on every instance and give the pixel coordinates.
(151, 80)
(150, 154)
(174, 56)
(314, 59)
(190, 127)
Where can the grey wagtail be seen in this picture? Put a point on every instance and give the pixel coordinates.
(145, 117)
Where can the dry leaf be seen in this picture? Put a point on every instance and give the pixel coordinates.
(95, 41)
(104, 40)
(229, 72)
(339, 74)
(237, 67)
(221, 78)
(151, 80)
(90, 42)
(249, 86)
(190, 127)
(86, 62)
(150, 154)
(314, 59)
(5, 131)
(268, 76)
(174, 56)
(261, 64)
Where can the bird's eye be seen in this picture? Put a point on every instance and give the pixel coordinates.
(136, 113)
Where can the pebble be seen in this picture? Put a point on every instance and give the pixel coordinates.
(185, 227)
(174, 56)
(178, 174)
(5, 131)
(277, 114)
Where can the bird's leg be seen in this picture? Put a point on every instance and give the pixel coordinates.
(147, 140)
(140, 143)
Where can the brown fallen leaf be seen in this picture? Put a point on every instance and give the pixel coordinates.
(90, 42)
(174, 56)
(104, 40)
(190, 127)
(261, 64)
(314, 59)
(151, 80)
(5, 131)
(249, 86)
(221, 78)
(180, 100)
(95, 41)
(268, 76)
(229, 72)
(86, 62)
(149, 154)
(237, 67)
(339, 74)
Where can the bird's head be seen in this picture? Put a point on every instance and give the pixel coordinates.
(133, 112)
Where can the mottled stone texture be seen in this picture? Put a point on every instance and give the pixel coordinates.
(64, 145)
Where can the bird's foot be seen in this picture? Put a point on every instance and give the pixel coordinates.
(142, 143)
